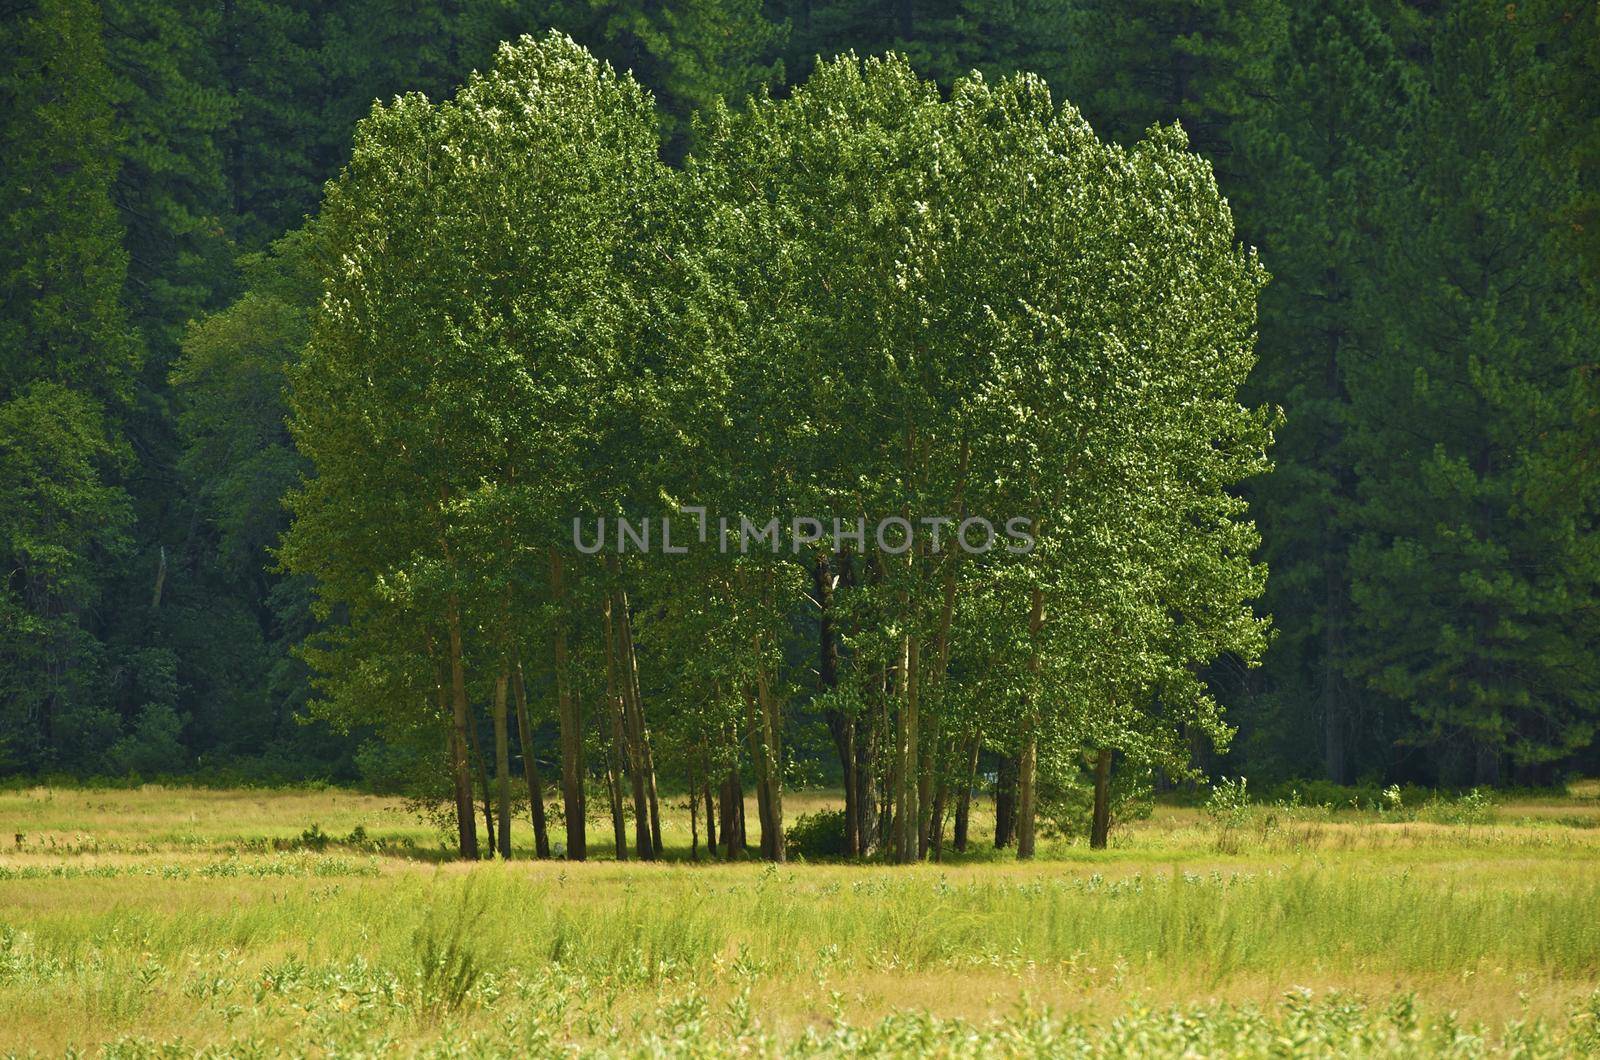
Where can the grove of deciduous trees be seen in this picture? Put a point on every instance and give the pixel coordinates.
(864, 303)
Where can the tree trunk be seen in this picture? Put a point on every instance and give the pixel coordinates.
(868, 741)
(619, 826)
(964, 798)
(904, 780)
(932, 824)
(771, 771)
(466, 824)
(530, 765)
(1100, 825)
(911, 848)
(694, 819)
(744, 831)
(1005, 802)
(631, 670)
(889, 748)
(502, 760)
(841, 726)
(617, 745)
(615, 610)
(758, 755)
(655, 802)
(483, 779)
(632, 757)
(733, 830)
(1027, 793)
(571, 722)
(1028, 780)
(711, 806)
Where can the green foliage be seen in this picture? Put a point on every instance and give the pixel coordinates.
(1420, 181)
(1229, 802)
(154, 747)
(1066, 804)
(171, 111)
(817, 835)
(61, 523)
(1213, 66)
(1476, 542)
(447, 965)
(62, 261)
(1475, 807)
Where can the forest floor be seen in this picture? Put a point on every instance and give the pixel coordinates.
(169, 921)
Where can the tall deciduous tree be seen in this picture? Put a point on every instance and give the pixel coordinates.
(496, 219)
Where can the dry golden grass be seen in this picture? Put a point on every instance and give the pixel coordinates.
(173, 914)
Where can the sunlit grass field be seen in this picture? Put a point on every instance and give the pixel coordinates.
(168, 921)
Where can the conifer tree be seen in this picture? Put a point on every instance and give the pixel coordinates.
(1476, 570)
(1326, 154)
(66, 383)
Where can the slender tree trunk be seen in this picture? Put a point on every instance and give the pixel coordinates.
(744, 831)
(655, 802)
(711, 807)
(841, 726)
(483, 779)
(1005, 801)
(758, 755)
(734, 836)
(465, 822)
(502, 760)
(964, 798)
(725, 816)
(620, 655)
(630, 664)
(530, 764)
(868, 741)
(855, 842)
(619, 826)
(571, 722)
(1100, 825)
(912, 837)
(1027, 791)
(617, 745)
(770, 774)
(617, 699)
(889, 747)
(1028, 779)
(633, 751)
(901, 781)
(931, 832)
(694, 815)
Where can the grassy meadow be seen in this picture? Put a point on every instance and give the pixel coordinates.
(164, 921)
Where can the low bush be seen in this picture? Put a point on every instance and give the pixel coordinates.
(816, 836)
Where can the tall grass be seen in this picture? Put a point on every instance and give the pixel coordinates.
(1165, 945)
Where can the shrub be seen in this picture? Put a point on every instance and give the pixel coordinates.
(154, 746)
(1066, 805)
(1475, 807)
(1228, 806)
(816, 836)
(446, 966)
